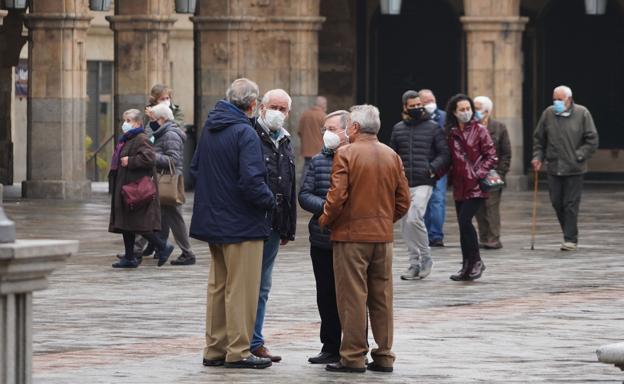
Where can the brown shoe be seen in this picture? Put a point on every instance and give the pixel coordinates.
(263, 351)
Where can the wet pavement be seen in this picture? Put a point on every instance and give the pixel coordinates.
(535, 316)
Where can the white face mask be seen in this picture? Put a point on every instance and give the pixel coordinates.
(464, 117)
(274, 119)
(167, 102)
(331, 140)
(430, 108)
(125, 127)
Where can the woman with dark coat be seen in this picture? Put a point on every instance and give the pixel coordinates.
(472, 156)
(311, 198)
(133, 158)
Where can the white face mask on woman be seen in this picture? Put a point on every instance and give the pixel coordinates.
(167, 102)
(125, 127)
(331, 140)
(464, 116)
(274, 119)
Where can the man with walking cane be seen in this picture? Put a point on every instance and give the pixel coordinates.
(565, 137)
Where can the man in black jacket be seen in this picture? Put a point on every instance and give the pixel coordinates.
(424, 151)
(280, 164)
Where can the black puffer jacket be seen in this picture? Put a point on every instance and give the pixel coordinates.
(312, 195)
(280, 164)
(423, 149)
(168, 144)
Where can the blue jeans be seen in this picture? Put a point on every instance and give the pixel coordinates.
(271, 246)
(436, 211)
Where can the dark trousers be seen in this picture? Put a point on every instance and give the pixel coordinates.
(129, 238)
(565, 196)
(466, 210)
(323, 265)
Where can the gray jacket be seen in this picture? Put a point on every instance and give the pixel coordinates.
(565, 142)
(168, 144)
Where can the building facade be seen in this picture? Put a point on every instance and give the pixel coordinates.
(67, 72)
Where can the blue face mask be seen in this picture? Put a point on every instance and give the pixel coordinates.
(559, 106)
(479, 115)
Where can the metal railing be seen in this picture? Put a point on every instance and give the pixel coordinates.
(94, 157)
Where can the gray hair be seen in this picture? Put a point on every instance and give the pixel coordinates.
(426, 91)
(411, 94)
(367, 117)
(276, 92)
(242, 92)
(134, 115)
(567, 91)
(485, 102)
(162, 110)
(344, 117)
(321, 101)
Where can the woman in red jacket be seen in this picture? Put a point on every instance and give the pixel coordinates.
(472, 156)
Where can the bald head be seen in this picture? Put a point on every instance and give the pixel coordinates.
(321, 102)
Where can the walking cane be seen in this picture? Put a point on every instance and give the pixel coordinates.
(534, 218)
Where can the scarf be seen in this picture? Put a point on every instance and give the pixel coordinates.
(121, 141)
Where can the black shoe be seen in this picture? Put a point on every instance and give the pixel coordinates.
(378, 368)
(138, 257)
(252, 362)
(492, 245)
(214, 363)
(164, 254)
(436, 243)
(461, 274)
(149, 249)
(338, 367)
(324, 358)
(126, 263)
(184, 259)
(476, 271)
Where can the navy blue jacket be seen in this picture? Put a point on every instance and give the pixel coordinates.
(280, 165)
(232, 198)
(312, 195)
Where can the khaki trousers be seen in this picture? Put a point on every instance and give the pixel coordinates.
(488, 218)
(233, 288)
(363, 273)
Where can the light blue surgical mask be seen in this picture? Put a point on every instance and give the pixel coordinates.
(559, 106)
(479, 115)
(125, 127)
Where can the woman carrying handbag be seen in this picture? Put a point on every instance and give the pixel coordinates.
(473, 156)
(135, 208)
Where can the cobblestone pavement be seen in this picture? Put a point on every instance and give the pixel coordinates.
(535, 316)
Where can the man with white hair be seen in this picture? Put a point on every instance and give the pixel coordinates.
(488, 216)
(280, 163)
(565, 137)
(368, 194)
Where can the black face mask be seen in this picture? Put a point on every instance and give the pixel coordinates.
(418, 113)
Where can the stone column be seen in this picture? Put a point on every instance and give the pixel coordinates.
(141, 51)
(57, 100)
(273, 42)
(494, 59)
(24, 267)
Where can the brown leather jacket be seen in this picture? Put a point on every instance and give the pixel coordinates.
(368, 192)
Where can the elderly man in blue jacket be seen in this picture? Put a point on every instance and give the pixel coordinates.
(232, 202)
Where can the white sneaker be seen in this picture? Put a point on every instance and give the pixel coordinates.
(412, 273)
(568, 246)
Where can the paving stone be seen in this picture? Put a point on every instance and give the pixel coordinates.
(535, 316)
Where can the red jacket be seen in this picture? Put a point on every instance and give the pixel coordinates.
(472, 156)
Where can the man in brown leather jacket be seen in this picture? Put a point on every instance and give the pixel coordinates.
(368, 194)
